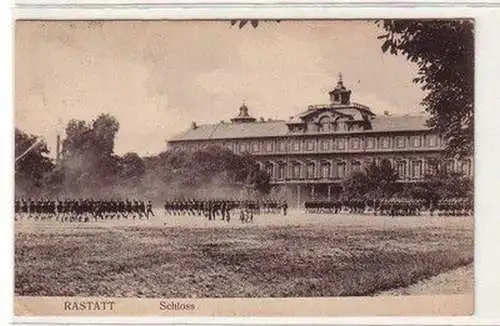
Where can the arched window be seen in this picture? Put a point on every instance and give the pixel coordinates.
(341, 170)
(296, 170)
(310, 170)
(416, 169)
(325, 170)
(281, 171)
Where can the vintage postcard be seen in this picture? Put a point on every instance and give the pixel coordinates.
(244, 167)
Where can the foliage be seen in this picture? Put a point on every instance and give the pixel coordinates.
(242, 22)
(212, 171)
(31, 167)
(443, 51)
(88, 162)
(376, 181)
(445, 184)
(89, 167)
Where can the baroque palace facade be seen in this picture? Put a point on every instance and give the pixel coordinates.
(310, 155)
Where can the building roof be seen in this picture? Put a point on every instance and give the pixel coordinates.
(280, 128)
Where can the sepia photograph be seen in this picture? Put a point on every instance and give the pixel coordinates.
(184, 160)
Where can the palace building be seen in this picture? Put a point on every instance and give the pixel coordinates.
(309, 155)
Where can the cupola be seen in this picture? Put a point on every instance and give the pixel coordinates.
(243, 115)
(340, 94)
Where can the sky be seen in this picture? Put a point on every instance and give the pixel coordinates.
(157, 77)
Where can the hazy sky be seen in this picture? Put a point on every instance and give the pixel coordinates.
(156, 77)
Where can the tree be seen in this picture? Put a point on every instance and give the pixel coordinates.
(376, 181)
(32, 163)
(132, 167)
(443, 51)
(88, 160)
(242, 22)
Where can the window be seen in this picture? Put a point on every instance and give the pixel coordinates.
(416, 169)
(432, 140)
(341, 170)
(281, 171)
(310, 171)
(325, 124)
(401, 169)
(339, 142)
(243, 147)
(269, 146)
(356, 166)
(296, 171)
(370, 143)
(416, 141)
(325, 170)
(355, 143)
(385, 142)
(400, 142)
(310, 145)
(324, 144)
(255, 147)
(296, 145)
(282, 146)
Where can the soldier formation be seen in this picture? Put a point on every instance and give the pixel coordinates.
(392, 207)
(222, 209)
(81, 210)
(84, 210)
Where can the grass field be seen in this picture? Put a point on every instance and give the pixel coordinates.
(297, 255)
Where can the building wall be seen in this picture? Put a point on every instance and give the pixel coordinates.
(327, 158)
(305, 167)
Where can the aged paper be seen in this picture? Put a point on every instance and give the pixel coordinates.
(244, 168)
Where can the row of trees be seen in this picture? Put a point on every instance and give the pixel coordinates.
(89, 167)
(379, 181)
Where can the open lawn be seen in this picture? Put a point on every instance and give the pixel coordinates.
(296, 255)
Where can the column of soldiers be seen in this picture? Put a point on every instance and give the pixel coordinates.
(392, 207)
(222, 209)
(81, 210)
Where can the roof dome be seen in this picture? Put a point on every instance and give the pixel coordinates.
(243, 115)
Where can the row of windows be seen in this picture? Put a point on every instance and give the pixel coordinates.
(405, 169)
(326, 144)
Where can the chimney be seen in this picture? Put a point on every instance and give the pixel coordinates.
(194, 125)
(58, 148)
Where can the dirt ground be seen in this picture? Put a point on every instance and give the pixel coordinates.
(276, 256)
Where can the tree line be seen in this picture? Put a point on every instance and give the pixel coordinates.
(378, 181)
(89, 167)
